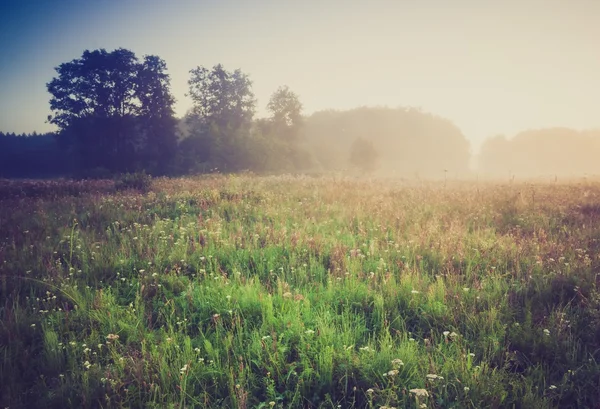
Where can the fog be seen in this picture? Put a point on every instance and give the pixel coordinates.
(427, 85)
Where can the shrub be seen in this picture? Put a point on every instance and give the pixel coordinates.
(139, 181)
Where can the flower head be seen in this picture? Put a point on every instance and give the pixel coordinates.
(420, 392)
(397, 363)
(433, 377)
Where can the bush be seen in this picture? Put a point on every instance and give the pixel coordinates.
(139, 181)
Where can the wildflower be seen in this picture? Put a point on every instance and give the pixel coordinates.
(467, 389)
(471, 354)
(32, 325)
(271, 404)
(266, 337)
(87, 364)
(309, 332)
(414, 292)
(370, 391)
(420, 392)
(393, 372)
(546, 332)
(552, 387)
(433, 377)
(112, 337)
(228, 297)
(184, 369)
(287, 295)
(446, 333)
(466, 289)
(396, 363)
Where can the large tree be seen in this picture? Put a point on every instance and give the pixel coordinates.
(286, 112)
(221, 116)
(221, 98)
(113, 110)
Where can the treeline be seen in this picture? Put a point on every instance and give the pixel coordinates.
(114, 114)
(542, 152)
(31, 156)
(402, 141)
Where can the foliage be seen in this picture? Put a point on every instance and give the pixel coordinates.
(221, 134)
(409, 141)
(114, 111)
(363, 155)
(286, 113)
(138, 181)
(239, 291)
(115, 115)
(32, 156)
(221, 98)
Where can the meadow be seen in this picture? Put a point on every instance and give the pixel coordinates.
(299, 292)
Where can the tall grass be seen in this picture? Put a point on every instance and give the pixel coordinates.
(243, 292)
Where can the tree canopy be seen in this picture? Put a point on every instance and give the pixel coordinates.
(113, 110)
(409, 141)
(220, 97)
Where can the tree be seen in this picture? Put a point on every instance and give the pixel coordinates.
(114, 111)
(407, 140)
(160, 130)
(363, 155)
(221, 98)
(221, 117)
(286, 112)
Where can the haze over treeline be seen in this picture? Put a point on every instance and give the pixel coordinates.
(542, 152)
(114, 113)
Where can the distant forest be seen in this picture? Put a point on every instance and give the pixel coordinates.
(114, 114)
(543, 152)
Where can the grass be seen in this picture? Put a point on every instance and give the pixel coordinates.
(260, 292)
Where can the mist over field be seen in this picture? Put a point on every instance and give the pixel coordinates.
(409, 89)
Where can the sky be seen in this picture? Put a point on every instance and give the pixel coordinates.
(490, 66)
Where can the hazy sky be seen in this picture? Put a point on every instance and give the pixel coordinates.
(491, 66)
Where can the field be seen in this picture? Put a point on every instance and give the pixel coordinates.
(291, 292)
